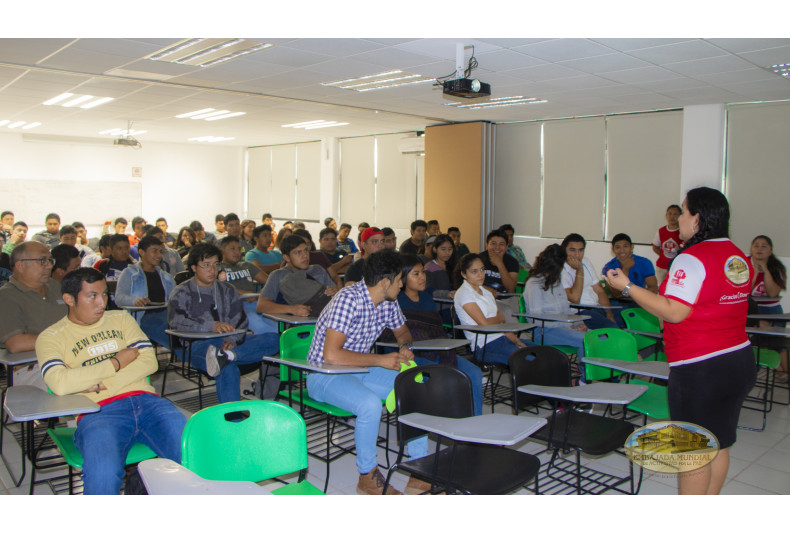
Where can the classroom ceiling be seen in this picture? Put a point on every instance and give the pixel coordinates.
(282, 84)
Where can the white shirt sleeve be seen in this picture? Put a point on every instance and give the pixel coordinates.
(657, 240)
(685, 278)
(568, 276)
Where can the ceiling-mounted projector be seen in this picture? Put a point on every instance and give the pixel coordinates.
(127, 141)
(466, 88)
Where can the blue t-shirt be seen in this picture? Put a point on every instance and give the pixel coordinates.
(642, 269)
(269, 258)
(425, 303)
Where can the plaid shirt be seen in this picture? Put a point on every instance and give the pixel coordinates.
(352, 313)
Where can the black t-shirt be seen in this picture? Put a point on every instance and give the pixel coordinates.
(335, 257)
(409, 247)
(156, 291)
(493, 278)
(354, 272)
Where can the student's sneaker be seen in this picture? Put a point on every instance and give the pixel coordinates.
(372, 483)
(216, 360)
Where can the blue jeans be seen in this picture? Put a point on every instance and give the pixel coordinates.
(471, 370)
(105, 438)
(598, 319)
(255, 347)
(362, 395)
(256, 322)
(154, 324)
(497, 351)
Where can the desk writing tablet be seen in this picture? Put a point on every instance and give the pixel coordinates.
(651, 334)
(430, 344)
(596, 306)
(760, 299)
(763, 316)
(547, 317)
(505, 327)
(773, 330)
(292, 320)
(9, 359)
(494, 428)
(25, 403)
(653, 369)
(616, 393)
(201, 335)
(321, 368)
(163, 477)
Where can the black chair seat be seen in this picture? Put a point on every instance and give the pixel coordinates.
(478, 469)
(589, 433)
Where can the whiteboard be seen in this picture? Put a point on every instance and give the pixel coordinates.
(89, 202)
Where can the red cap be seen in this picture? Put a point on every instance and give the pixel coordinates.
(369, 232)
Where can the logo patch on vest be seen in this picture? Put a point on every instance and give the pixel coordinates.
(736, 270)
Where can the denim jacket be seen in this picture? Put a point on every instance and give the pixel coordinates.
(132, 285)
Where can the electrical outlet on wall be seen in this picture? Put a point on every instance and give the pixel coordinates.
(137, 172)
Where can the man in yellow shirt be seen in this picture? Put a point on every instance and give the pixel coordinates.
(106, 357)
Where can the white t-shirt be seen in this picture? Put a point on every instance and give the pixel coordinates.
(590, 279)
(485, 301)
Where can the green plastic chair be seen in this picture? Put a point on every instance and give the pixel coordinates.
(640, 320)
(64, 440)
(770, 360)
(248, 441)
(612, 343)
(523, 276)
(295, 344)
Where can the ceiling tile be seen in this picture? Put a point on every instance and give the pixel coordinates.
(29, 51)
(605, 63)
(739, 46)
(711, 65)
(766, 58)
(626, 45)
(563, 49)
(335, 47)
(641, 75)
(673, 53)
(549, 71)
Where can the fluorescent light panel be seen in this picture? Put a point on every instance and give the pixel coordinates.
(504, 101)
(315, 124)
(210, 114)
(85, 99)
(783, 69)
(19, 123)
(206, 52)
(382, 80)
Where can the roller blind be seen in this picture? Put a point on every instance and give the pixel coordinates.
(308, 182)
(357, 180)
(259, 179)
(396, 185)
(517, 177)
(758, 181)
(643, 175)
(283, 181)
(574, 177)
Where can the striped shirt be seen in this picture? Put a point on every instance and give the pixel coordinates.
(352, 313)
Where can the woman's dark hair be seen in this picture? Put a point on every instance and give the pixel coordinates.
(281, 236)
(408, 262)
(179, 243)
(549, 264)
(714, 215)
(621, 237)
(775, 267)
(441, 239)
(462, 266)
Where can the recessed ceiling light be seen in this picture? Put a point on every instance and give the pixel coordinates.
(25, 125)
(31, 125)
(504, 101)
(315, 124)
(210, 139)
(85, 99)
(4, 122)
(207, 52)
(382, 80)
(16, 124)
(783, 69)
(210, 114)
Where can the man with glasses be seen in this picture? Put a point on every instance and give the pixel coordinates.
(29, 303)
(205, 304)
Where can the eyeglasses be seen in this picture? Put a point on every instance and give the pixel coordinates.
(209, 266)
(41, 260)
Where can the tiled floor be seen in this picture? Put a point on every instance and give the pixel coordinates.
(760, 461)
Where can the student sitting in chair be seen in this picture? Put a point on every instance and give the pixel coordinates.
(262, 256)
(146, 283)
(246, 278)
(106, 357)
(203, 303)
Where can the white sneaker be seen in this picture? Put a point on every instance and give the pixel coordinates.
(213, 366)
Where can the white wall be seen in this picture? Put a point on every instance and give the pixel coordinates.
(180, 182)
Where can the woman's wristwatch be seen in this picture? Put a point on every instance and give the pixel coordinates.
(626, 289)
